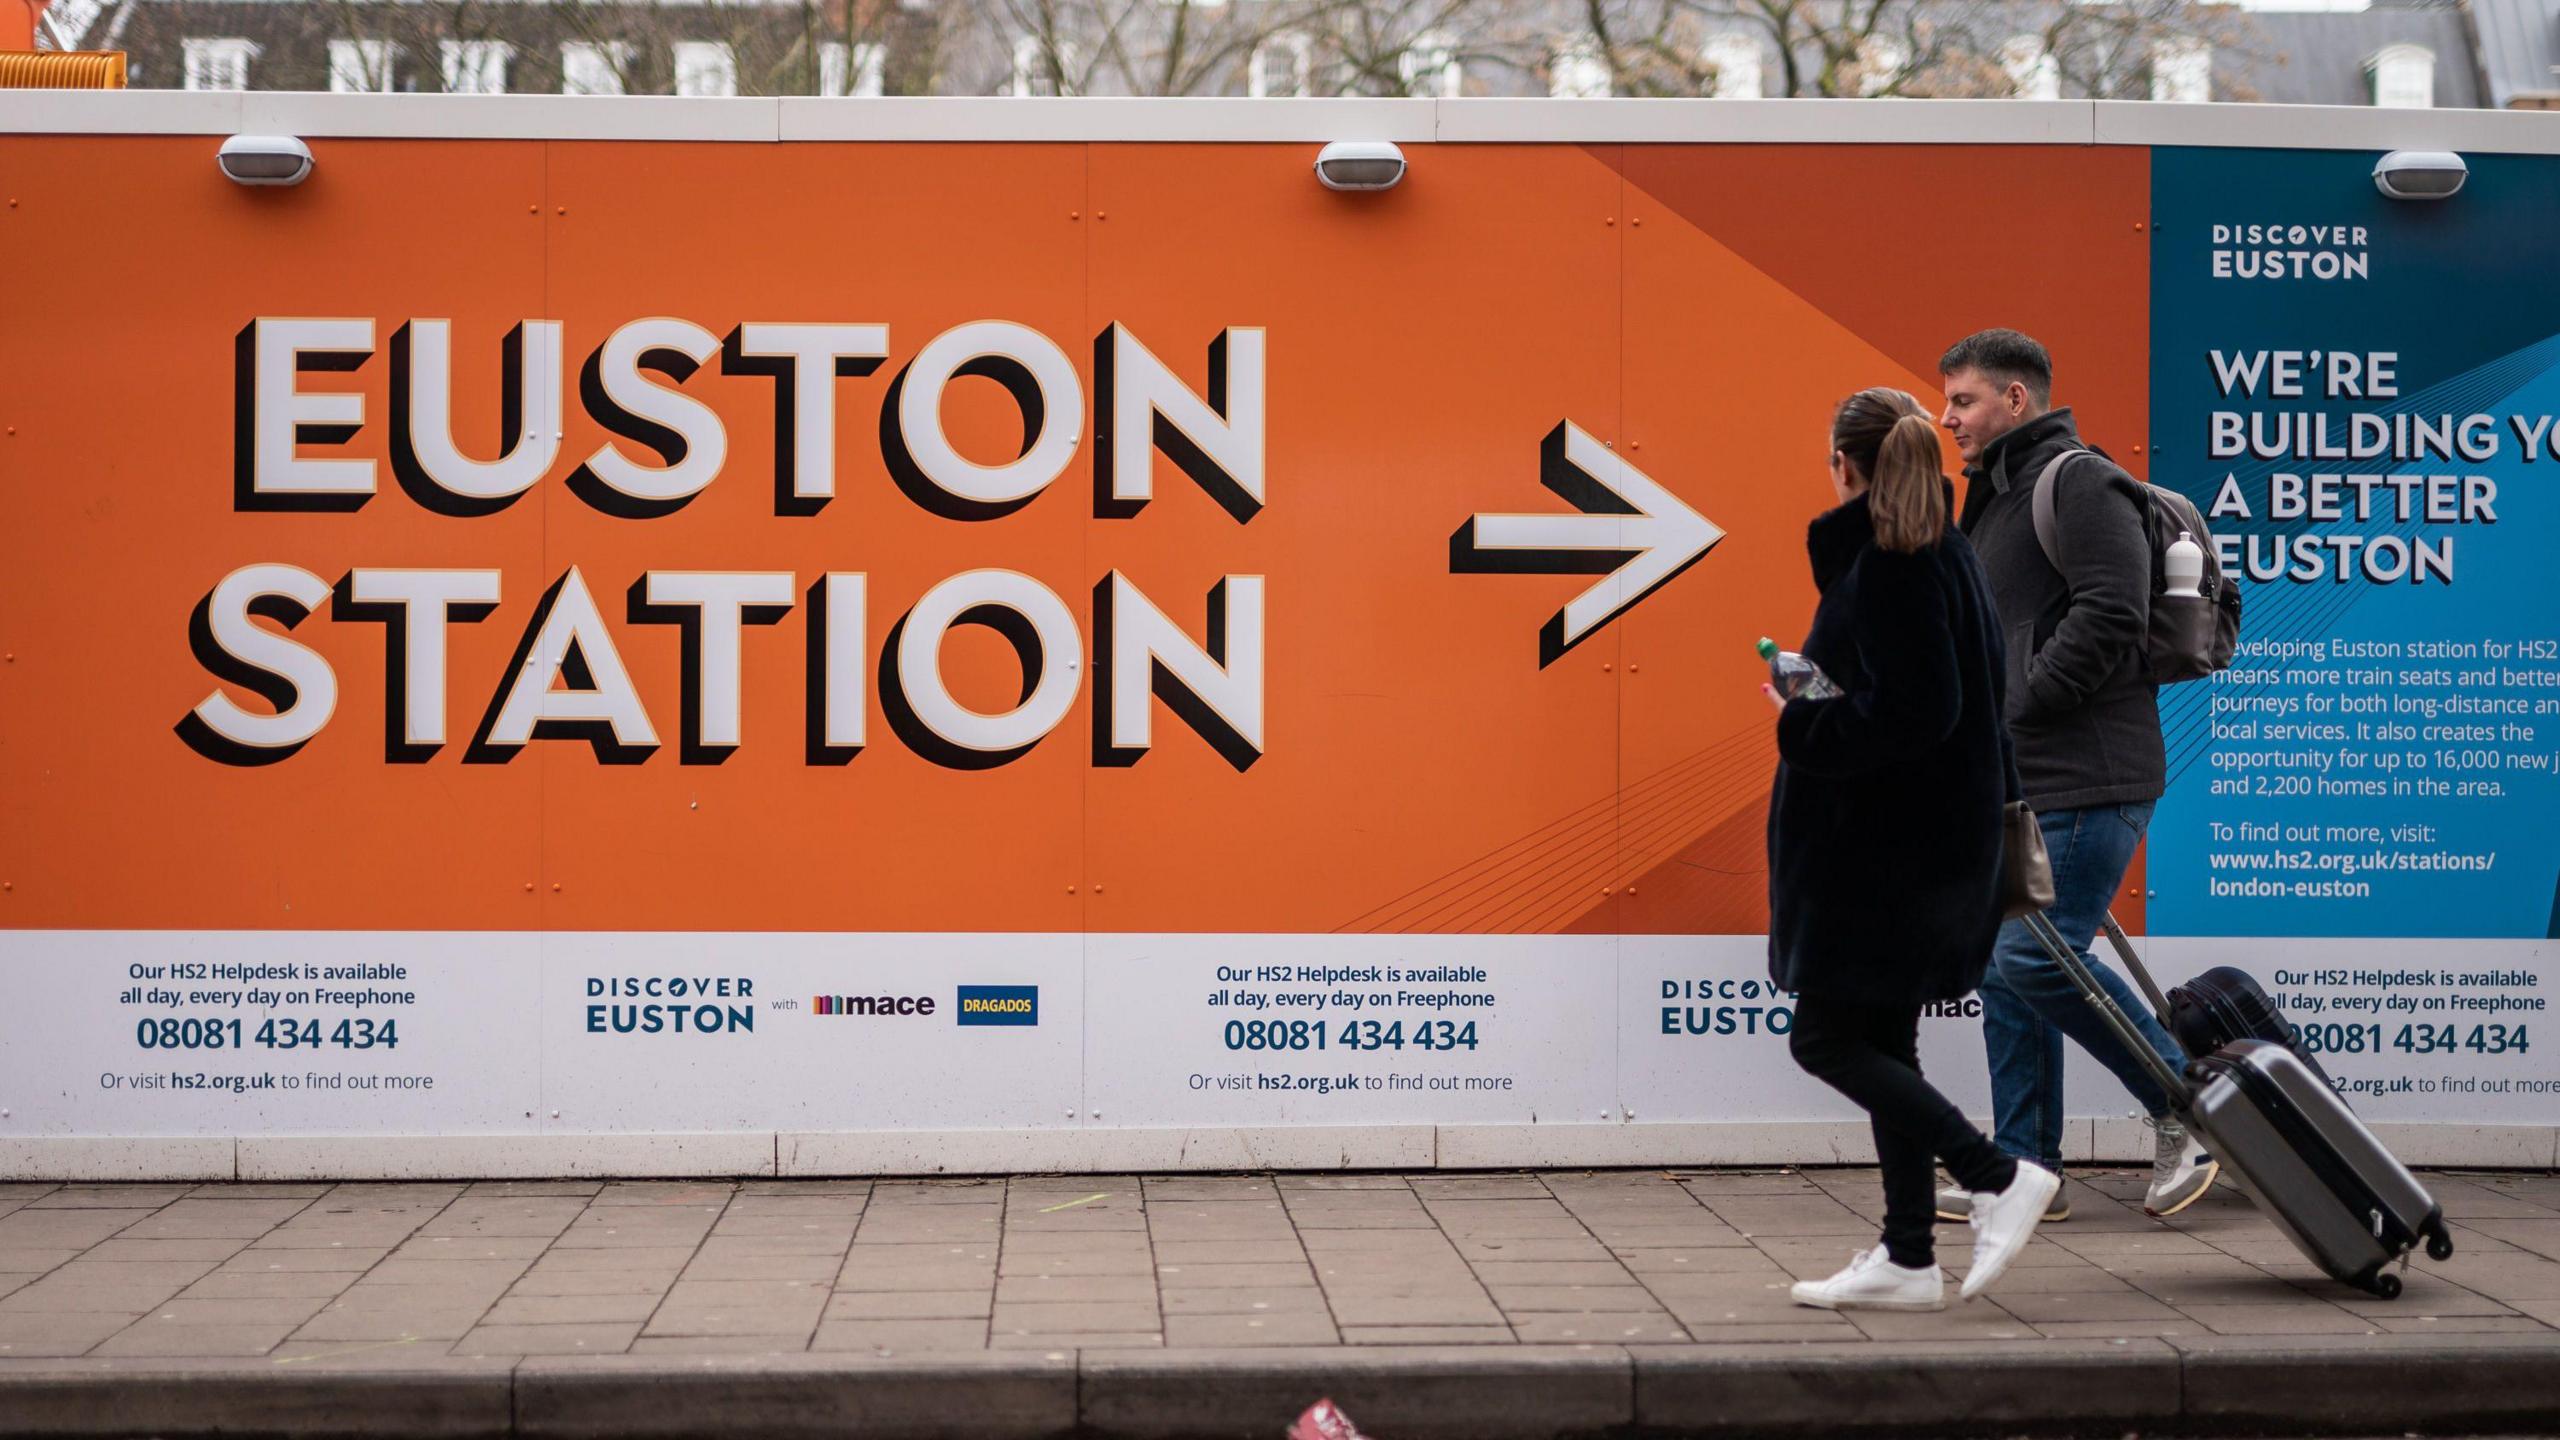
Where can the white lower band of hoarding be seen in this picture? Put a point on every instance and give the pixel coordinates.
(278, 1054)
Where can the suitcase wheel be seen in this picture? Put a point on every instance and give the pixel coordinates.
(2440, 1245)
(2385, 1284)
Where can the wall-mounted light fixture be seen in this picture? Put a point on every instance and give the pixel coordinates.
(2420, 174)
(265, 159)
(1360, 165)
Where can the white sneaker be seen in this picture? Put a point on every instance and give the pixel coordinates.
(2177, 1180)
(1874, 1282)
(1955, 1206)
(2003, 1223)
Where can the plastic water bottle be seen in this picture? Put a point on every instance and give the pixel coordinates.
(1793, 676)
(2183, 565)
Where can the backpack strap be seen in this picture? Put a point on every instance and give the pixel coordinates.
(2048, 533)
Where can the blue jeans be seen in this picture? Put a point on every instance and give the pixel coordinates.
(2029, 1004)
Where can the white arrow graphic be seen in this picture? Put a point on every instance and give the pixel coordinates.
(1631, 530)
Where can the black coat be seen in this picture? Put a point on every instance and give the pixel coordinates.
(2083, 712)
(1884, 825)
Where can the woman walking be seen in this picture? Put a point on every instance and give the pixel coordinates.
(1885, 843)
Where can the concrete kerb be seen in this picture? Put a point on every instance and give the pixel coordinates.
(1945, 1387)
(1420, 1393)
(2310, 1385)
(456, 1400)
(1022, 1395)
(2339, 1384)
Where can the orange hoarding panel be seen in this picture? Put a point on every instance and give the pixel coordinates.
(516, 535)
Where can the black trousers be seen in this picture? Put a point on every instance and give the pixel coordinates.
(1871, 1053)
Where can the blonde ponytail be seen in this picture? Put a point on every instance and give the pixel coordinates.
(1906, 493)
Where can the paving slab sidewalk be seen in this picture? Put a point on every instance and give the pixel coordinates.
(1467, 1305)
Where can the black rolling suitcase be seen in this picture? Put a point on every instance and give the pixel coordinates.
(2217, 1007)
(2279, 1129)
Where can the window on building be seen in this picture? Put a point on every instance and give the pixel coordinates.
(2404, 77)
(1429, 67)
(594, 67)
(1579, 71)
(1880, 63)
(705, 67)
(2182, 71)
(220, 63)
(1036, 71)
(2033, 72)
(1734, 59)
(1282, 68)
(476, 67)
(360, 66)
(852, 69)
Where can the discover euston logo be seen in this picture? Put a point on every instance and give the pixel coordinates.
(670, 1005)
(2290, 252)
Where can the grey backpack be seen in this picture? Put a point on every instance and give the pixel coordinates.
(2191, 636)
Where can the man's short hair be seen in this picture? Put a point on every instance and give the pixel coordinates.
(2004, 356)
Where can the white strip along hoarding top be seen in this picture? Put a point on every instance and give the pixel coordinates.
(964, 118)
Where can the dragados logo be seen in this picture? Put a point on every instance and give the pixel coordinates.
(999, 1005)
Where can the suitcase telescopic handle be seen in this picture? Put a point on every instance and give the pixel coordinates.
(2133, 962)
(2127, 1034)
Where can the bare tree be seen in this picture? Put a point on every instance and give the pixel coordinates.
(1897, 47)
(1652, 48)
(1137, 47)
(917, 38)
(783, 47)
(2106, 51)
(1418, 47)
(73, 24)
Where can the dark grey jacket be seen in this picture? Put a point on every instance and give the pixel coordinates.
(2082, 708)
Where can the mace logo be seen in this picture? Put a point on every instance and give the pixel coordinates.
(999, 1005)
(873, 1004)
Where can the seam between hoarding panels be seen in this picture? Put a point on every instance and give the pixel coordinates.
(1624, 424)
(1087, 529)
(545, 919)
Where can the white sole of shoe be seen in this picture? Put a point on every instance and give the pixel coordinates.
(1824, 1302)
(1987, 1269)
(2051, 1217)
(2211, 1170)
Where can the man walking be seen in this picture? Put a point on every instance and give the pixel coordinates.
(2086, 721)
